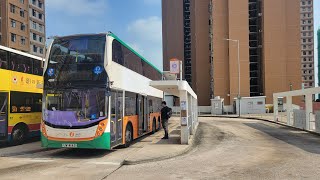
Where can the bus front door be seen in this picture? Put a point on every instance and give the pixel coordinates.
(3, 116)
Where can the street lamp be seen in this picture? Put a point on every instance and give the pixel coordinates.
(238, 44)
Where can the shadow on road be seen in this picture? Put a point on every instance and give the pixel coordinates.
(300, 139)
(80, 153)
(30, 140)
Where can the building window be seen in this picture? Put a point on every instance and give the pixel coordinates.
(41, 50)
(12, 8)
(21, 12)
(23, 27)
(40, 39)
(35, 48)
(40, 16)
(13, 37)
(34, 14)
(34, 2)
(13, 23)
(40, 28)
(34, 36)
(23, 40)
(22, 1)
(304, 53)
(310, 78)
(40, 4)
(34, 25)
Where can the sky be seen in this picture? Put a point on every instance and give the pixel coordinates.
(136, 22)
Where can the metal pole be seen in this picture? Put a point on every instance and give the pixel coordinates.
(239, 97)
(180, 70)
(239, 77)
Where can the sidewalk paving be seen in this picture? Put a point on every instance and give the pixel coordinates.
(152, 148)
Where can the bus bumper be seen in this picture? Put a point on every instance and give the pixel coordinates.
(102, 142)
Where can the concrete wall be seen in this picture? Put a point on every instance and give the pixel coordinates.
(172, 31)
(200, 62)
(299, 119)
(220, 48)
(282, 47)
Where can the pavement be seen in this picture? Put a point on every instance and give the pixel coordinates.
(153, 148)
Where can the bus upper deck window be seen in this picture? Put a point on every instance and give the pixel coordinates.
(3, 60)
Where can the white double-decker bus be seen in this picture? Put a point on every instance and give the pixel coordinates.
(97, 93)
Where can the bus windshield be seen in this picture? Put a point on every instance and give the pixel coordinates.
(75, 107)
(76, 61)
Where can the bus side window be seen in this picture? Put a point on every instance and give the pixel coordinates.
(130, 104)
(22, 102)
(20, 63)
(37, 69)
(3, 59)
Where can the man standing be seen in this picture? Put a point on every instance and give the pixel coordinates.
(165, 115)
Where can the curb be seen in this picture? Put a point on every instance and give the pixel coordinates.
(266, 120)
(190, 147)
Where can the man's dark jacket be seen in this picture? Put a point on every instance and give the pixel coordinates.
(164, 112)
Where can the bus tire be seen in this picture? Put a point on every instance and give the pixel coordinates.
(154, 126)
(128, 135)
(19, 134)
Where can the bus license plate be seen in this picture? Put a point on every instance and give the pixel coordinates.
(69, 145)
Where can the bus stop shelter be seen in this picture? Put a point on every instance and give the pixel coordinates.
(188, 105)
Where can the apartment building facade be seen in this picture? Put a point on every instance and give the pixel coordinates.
(268, 32)
(307, 43)
(23, 25)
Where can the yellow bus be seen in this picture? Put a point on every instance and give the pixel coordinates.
(20, 99)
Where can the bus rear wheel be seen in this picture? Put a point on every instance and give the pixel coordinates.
(19, 135)
(128, 135)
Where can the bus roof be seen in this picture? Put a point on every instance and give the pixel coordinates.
(123, 43)
(20, 53)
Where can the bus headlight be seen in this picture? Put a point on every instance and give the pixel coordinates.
(43, 129)
(101, 128)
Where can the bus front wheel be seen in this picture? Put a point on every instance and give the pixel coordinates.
(19, 134)
(129, 135)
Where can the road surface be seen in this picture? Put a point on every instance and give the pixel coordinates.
(224, 149)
